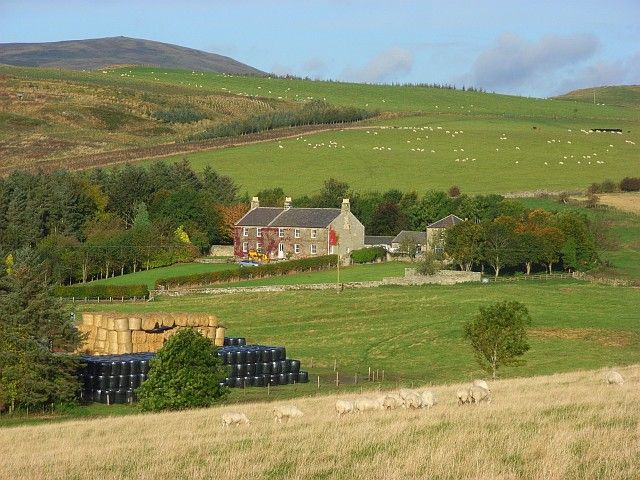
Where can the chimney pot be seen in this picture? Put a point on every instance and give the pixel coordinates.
(255, 203)
(287, 203)
(346, 206)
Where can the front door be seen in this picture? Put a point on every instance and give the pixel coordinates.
(281, 250)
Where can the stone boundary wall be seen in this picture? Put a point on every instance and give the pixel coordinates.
(444, 277)
(122, 333)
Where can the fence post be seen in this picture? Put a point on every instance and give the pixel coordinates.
(318, 381)
(337, 379)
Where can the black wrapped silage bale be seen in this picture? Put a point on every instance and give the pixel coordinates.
(258, 381)
(115, 368)
(251, 369)
(241, 356)
(134, 367)
(276, 368)
(125, 367)
(266, 368)
(284, 366)
(294, 366)
(283, 379)
(292, 378)
(265, 355)
(134, 381)
(251, 356)
(274, 379)
(144, 366)
(120, 396)
(123, 382)
(303, 377)
(113, 382)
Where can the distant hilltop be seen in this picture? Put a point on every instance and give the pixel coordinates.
(101, 52)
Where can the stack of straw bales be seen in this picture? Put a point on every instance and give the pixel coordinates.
(118, 333)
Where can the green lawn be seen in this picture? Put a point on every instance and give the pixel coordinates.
(486, 156)
(415, 333)
(149, 277)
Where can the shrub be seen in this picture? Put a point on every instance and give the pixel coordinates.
(179, 115)
(428, 265)
(186, 373)
(266, 270)
(368, 254)
(630, 184)
(101, 291)
(454, 191)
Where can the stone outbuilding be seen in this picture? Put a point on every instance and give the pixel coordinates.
(436, 230)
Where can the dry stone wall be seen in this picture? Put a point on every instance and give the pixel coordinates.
(118, 333)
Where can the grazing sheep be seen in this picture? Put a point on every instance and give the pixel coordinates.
(405, 392)
(463, 396)
(483, 384)
(231, 418)
(392, 401)
(479, 394)
(343, 407)
(286, 412)
(365, 403)
(413, 400)
(428, 399)
(614, 378)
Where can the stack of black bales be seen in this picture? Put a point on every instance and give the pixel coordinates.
(113, 378)
(259, 365)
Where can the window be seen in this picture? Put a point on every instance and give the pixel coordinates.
(258, 231)
(245, 247)
(296, 248)
(281, 248)
(314, 249)
(281, 232)
(296, 232)
(332, 249)
(314, 233)
(245, 231)
(259, 247)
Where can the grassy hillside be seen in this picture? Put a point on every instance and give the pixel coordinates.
(621, 95)
(569, 426)
(487, 155)
(415, 333)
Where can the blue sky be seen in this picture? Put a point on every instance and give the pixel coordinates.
(532, 48)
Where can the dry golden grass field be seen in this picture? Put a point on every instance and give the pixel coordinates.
(564, 426)
(627, 202)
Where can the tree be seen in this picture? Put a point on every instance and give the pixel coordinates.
(463, 243)
(36, 336)
(500, 243)
(332, 193)
(186, 373)
(388, 219)
(498, 334)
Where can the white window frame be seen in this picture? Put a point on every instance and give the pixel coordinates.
(245, 231)
(314, 233)
(332, 249)
(259, 247)
(296, 248)
(281, 232)
(281, 248)
(258, 231)
(245, 247)
(313, 249)
(296, 232)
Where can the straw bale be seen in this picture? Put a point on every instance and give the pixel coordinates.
(97, 320)
(124, 337)
(138, 337)
(168, 321)
(148, 323)
(181, 319)
(135, 323)
(101, 334)
(121, 324)
(112, 348)
(111, 323)
(100, 346)
(212, 320)
(125, 348)
(87, 319)
(112, 337)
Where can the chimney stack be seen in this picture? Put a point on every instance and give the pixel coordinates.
(287, 203)
(346, 206)
(255, 203)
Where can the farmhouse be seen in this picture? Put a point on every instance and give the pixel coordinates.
(407, 239)
(289, 232)
(435, 232)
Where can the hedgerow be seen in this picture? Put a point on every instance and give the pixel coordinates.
(368, 255)
(101, 291)
(262, 271)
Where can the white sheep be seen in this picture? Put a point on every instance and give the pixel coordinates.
(363, 404)
(614, 378)
(413, 400)
(392, 401)
(343, 407)
(232, 418)
(428, 399)
(405, 392)
(286, 412)
(463, 396)
(481, 383)
(479, 394)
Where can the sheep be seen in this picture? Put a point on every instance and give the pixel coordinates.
(405, 392)
(392, 401)
(463, 396)
(343, 407)
(481, 383)
(428, 399)
(286, 412)
(614, 378)
(479, 394)
(413, 400)
(363, 404)
(231, 418)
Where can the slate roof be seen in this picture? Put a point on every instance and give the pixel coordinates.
(408, 235)
(448, 221)
(378, 240)
(292, 217)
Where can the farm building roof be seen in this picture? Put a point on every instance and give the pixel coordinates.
(410, 236)
(289, 217)
(448, 221)
(378, 240)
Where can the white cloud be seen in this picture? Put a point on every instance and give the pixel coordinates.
(388, 65)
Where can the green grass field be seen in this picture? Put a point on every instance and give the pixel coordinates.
(149, 277)
(488, 156)
(415, 333)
